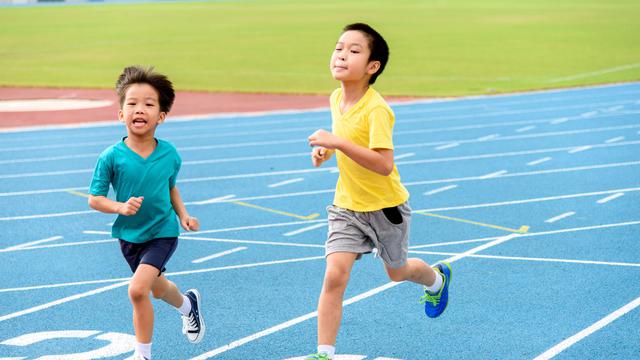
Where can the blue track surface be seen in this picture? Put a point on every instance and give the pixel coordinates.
(564, 163)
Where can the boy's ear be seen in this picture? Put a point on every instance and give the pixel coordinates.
(162, 116)
(120, 116)
(373, 67)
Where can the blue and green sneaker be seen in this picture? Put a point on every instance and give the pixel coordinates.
(319, 356)
(435, 304)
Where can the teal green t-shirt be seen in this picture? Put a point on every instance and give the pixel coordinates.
(131, 175)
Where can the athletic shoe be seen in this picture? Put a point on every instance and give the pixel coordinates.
(435, 304)
(193, 324)
(137, 356)
(319, 356)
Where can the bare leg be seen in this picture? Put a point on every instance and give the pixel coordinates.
(139, 289)
(167, 291)
(336, 278)
(415, 270)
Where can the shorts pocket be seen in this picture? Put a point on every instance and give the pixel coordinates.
(393, 215)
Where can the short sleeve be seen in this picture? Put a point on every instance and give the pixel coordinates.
(174, 177)
(102, 175)
(380, 128)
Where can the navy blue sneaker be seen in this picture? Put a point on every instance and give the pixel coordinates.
(435, 304)
(193, 324)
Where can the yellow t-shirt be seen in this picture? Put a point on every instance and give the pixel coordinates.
(369, 123)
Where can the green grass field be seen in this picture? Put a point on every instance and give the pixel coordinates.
(438, 47)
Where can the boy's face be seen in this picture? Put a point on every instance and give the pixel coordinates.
(140, 111)
(350, 59)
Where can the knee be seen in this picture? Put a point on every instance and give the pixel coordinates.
(398, 275)
(335, 279)
(137, 293)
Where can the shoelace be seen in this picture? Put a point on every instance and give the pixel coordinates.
(433, 299)
(189, 323)
(192, 322)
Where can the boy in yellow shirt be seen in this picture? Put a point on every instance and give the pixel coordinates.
(370, 210)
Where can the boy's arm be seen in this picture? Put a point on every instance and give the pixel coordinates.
(189, 223)
(377, 160)
(106, 205)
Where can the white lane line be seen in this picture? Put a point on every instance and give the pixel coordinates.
(404, 156)
(255, 242)
(41, 216)
(493, 174)
(233, 241)
(97, 232)
(123, 283)
(188, 272)
(47, 173)
(531, 200)
(579, 149)
(609, 198)
(615, 108)
(362, 296)
(447, 146)
(48, 158)
(560, 217)
(488, 137)
(539, 161)
(290, 181)
(29, 244)
(62, 301)
(557, 349)
(217, 255)
(304, 229)
(533, 259)
(52, 286)
(559, 121)
(30, 339)
(526, 128)
(444, 188)
(51, 246)
(542, 233)
(253, 227)
(214, 200)
(589, 114)
(596, 73)
(615, 139)
(244, 158)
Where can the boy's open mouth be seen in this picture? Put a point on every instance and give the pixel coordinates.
(139, 122)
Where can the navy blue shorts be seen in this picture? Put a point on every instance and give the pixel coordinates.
(154, 252)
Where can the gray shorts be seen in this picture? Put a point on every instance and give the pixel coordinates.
(386, 230)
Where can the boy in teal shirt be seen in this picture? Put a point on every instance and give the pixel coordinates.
(143, 172)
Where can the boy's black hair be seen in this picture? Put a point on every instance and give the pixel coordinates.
(377, 45)
(141, 75)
